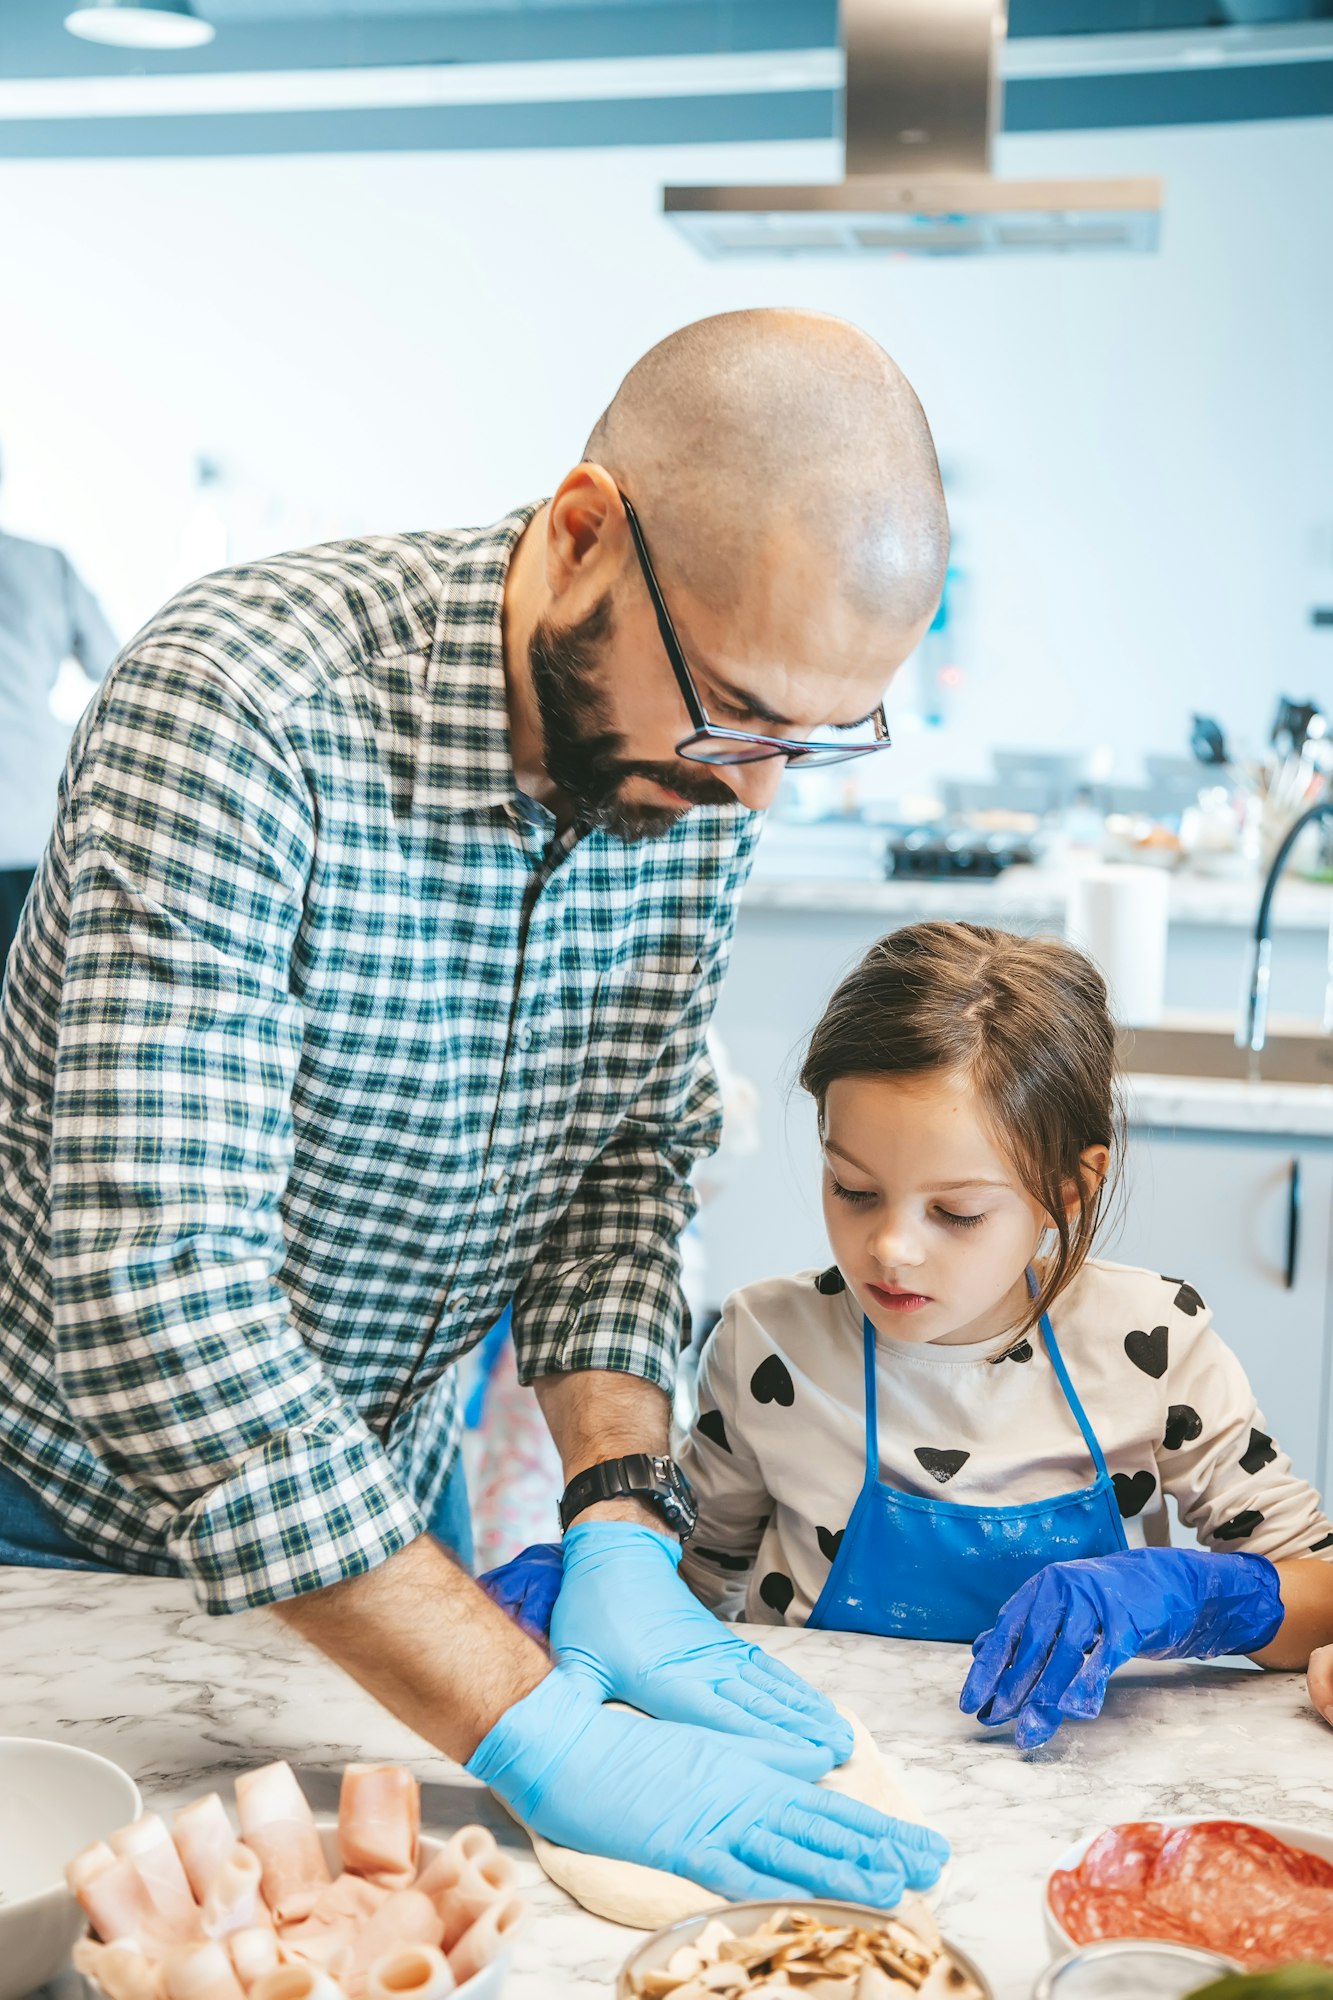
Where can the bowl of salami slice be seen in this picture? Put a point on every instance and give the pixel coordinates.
(364, 1907)
(1257, 1892)
(828, 1950)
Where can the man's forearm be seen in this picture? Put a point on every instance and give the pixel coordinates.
(598, 1414)
(419, 1635)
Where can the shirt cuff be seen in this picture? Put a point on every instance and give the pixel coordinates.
(307, 1509)
(624, 1315)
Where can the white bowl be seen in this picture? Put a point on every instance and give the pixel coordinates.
(1302, 1837)
(745, 1917)
(54, 1800)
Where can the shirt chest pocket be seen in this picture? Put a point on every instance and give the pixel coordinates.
(634, 1007)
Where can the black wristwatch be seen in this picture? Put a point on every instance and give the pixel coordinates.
(659, 1481)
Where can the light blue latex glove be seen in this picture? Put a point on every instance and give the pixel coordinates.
(624, 1617)
(1058, 1640)
(691, 1801)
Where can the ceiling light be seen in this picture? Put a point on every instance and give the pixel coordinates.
(141, 24)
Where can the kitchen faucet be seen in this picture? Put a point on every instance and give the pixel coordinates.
(1252, 1029)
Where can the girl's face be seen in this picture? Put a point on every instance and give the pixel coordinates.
(928, 1221)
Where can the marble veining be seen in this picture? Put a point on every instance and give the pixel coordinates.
(130, 1668)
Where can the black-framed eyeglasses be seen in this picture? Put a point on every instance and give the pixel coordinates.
(709, 742)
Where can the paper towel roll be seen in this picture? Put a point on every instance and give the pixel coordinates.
(1119, 916)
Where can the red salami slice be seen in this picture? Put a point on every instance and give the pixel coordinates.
(1221, 1883)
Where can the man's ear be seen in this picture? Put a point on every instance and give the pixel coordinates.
(585, 529)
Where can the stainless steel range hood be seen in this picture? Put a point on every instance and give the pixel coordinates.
(921, 105)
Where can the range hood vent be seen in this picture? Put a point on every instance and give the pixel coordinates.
(921, 106)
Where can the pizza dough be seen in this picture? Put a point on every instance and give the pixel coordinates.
(647, 1898)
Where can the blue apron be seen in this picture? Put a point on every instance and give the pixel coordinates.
(911, 1568)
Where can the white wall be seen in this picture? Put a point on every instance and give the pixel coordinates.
(1140, 449)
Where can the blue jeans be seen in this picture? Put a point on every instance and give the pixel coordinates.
(32, 1538)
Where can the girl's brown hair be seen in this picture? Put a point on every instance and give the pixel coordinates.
(1026, 1020)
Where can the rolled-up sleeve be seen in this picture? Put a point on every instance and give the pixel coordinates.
(605, 1291)
(191, 844)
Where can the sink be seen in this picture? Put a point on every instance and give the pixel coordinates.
(1295, 1052)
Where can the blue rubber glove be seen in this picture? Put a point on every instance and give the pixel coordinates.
(624, 1617)
(691, 1801)
(527, 1586)
(1057, 1642)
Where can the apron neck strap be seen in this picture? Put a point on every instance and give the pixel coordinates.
(1062, 1377)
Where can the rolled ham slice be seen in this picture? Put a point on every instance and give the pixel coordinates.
(277, 1823)
(379, 1818)
(204, 1837)
(297, 1982)
(200, 1972)
(234, 1901)
(253, 1953)
(413, 1972)
(486, 1938)
(405, 1917)
(443, 1872)
(149, 1848)
(324, 1938)
(481, 1883)
(111, 1892)
(121, 1970)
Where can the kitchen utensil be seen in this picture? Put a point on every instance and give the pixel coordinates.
(54, 1800)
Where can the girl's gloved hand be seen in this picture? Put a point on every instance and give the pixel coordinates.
(692, 1801)
(1058, 1640)
(527, 1586)
(624, 1618)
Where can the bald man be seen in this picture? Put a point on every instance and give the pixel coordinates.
(363, 989)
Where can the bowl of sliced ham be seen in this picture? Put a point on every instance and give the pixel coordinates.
(53, 1798)
(1256, 1892)
(278, 1905)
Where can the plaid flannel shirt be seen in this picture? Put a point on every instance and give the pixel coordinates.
(319, 1044)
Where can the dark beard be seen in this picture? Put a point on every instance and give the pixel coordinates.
(583, 750)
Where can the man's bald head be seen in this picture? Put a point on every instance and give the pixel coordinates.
(742, 431)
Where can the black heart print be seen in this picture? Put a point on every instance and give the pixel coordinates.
(713, 1428)
(776, 1590)
(941, 1465)
(1133, 1491)
(830, 1282)
(1183, 1425)
(1186, 1300)
(1023, 1352)
(722, 1559)
(1148, 1351)
(829, 1542)
(1260, 1452)
(1240, 1527)
(771, 1383)
(1324, 1542)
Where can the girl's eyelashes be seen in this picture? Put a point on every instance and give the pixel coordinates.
(960, 1221)
(848, 1194)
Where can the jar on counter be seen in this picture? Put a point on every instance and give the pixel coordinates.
(1114, 1968)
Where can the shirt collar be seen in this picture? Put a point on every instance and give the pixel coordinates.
(468, 757)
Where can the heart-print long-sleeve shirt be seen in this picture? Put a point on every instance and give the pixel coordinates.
(776, 1453)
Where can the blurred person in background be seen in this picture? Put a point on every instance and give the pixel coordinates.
(47, 615)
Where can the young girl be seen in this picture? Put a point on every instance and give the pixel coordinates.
(955, 1431)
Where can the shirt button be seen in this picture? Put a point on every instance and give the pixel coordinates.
(524, 1037)
(459, 1302)
(499, 1184)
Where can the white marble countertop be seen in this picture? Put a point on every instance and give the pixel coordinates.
(128, 1667)
(1027, 894)
(1219, 1104)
